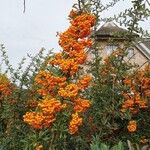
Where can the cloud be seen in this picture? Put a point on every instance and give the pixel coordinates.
(27, 32)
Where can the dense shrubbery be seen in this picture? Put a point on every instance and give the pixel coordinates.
(61, 101)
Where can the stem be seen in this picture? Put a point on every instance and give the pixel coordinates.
(148, 2)
(24, 5)
(79, 4)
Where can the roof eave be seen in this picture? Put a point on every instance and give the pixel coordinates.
(142, 50)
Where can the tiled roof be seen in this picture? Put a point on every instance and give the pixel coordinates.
(110, 29)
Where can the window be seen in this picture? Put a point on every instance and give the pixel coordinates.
(110, 48)
(130, 52)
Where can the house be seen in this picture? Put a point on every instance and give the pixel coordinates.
(110, 36)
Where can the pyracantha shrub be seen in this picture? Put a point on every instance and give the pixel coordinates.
(63, 91)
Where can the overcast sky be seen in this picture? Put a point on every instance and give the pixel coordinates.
(23, 33)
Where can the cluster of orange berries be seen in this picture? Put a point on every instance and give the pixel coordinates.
(143, 79)
(70, 91)
(46, 115)
(67, 86)
(48, 83)
(38, 147)
(107, 67)
(6, 86)
(84, 82)
(139, 89)
(137, 96)
(132, 126)
(81, 105)
(74, 123)
(133, 102)
(74, 41)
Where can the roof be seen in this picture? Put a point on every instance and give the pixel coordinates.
(110, 29)
(147, 43)
(144, 47)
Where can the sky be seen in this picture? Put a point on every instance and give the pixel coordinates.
(28, 32)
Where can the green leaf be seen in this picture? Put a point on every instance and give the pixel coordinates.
(95, 147)
(119, 146)
(104, 147)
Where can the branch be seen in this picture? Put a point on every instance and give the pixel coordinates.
(148, 2)
(24, 4)
(79, 4)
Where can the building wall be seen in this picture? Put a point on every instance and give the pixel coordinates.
(137, 57)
